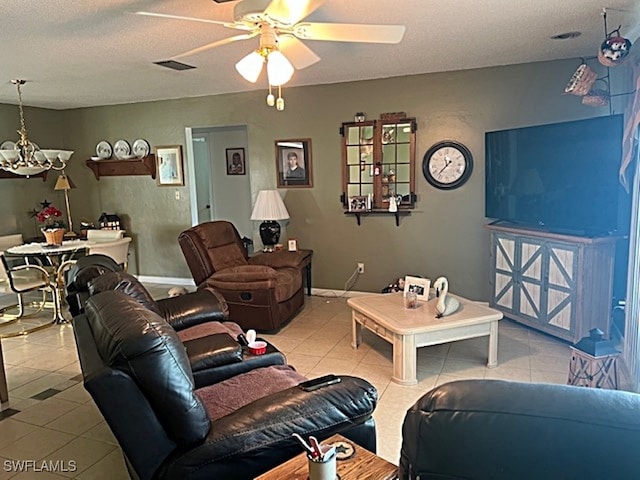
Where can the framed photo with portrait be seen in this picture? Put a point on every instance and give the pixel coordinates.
(169, 170)
(293, 163)
(420, 286)
(235, 161)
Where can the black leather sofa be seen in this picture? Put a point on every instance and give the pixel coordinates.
(139, 374)
(492, 429)
(201, 321)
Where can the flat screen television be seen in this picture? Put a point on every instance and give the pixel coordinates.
(561, 177)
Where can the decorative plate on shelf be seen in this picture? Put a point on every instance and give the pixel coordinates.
(122, 149)
(104, 150)
(141, 148)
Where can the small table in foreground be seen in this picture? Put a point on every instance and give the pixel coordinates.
(409, 329)
(363, 465)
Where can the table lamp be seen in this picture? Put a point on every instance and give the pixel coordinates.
(65, 183)
(269, 208)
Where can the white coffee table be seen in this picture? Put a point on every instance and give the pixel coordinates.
(409, 329)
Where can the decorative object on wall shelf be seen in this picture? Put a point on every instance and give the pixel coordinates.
(293, 163)
(122, 150)
(104, 150)
(360, 203)
(359, 117)
(235, 161)
(169, 166)
(141, 148)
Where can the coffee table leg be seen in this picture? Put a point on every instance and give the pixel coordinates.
(404, 359)
(356, 332)
(493, 345)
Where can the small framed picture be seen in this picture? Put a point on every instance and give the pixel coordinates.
(420, 286)
(235, 161)
(293, 245)
(169, 171)
(359, 203)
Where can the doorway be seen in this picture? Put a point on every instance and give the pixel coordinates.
(216, 193)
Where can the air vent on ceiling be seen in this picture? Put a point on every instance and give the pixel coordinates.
(172, 64)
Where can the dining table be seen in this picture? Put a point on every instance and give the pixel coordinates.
(56, 257)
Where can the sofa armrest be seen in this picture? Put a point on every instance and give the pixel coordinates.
(281, 259)
(212, 351)
(257, 437)
(204, 305)
(249, 362)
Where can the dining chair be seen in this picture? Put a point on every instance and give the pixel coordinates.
(19, 280)
(118, 249)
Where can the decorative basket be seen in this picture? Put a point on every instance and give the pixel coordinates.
(581, 81)
(54, 236)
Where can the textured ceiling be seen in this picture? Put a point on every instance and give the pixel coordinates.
(75, 53)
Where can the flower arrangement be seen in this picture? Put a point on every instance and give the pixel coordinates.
(50, 218)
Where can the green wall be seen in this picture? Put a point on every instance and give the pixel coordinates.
(444, 235)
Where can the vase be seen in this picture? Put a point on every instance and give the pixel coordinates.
(54, 236)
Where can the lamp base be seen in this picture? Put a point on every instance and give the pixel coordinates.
(269, 234)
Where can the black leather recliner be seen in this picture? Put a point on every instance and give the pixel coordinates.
(500, 430)
(199, 318)
(138, 373)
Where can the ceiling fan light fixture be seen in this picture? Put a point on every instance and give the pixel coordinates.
(251, 66)
(279, 69)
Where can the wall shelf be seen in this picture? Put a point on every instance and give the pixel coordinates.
(112, 168)
(397, 214)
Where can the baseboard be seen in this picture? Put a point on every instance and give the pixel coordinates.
(324, 292)
(183, 282)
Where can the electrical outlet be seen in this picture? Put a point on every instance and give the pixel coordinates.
(360, 267)
(177, 194)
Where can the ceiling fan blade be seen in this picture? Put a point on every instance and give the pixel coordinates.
(297, 52)
(349, 32)
(291, 12)
(194, 19)
(218, 43)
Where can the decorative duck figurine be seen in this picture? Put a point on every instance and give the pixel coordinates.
(446, 305)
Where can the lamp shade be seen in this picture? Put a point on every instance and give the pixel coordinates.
(269, 206)
(64, 182)
(250, 66)
(279, 69)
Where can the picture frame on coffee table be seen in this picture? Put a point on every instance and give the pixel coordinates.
(420, 286)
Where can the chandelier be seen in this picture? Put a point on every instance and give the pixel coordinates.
(24, 157)
(279, 68)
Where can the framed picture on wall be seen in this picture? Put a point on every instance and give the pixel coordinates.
(169, 170)
(235, 161)
(293, 163)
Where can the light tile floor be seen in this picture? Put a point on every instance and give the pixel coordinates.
(58, 422)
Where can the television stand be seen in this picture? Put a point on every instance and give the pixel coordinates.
(557, 283)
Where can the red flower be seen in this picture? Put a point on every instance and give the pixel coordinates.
(48, 216)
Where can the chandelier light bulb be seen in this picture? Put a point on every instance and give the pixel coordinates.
(279, 69)
(280, 104)
(271, 100)
(250, 66)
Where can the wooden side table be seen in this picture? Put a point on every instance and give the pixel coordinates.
(363, 465)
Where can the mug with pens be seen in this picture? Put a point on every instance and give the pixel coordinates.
(321, 458)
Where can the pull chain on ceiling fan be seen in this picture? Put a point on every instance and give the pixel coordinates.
(277, 22)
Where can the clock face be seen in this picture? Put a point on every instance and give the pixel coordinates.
(447, 165)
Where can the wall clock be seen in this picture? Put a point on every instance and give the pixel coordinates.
(447, 165)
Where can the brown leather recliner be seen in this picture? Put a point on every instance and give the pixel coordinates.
(262, 292)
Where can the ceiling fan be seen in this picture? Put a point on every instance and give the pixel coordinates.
(278, 23)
